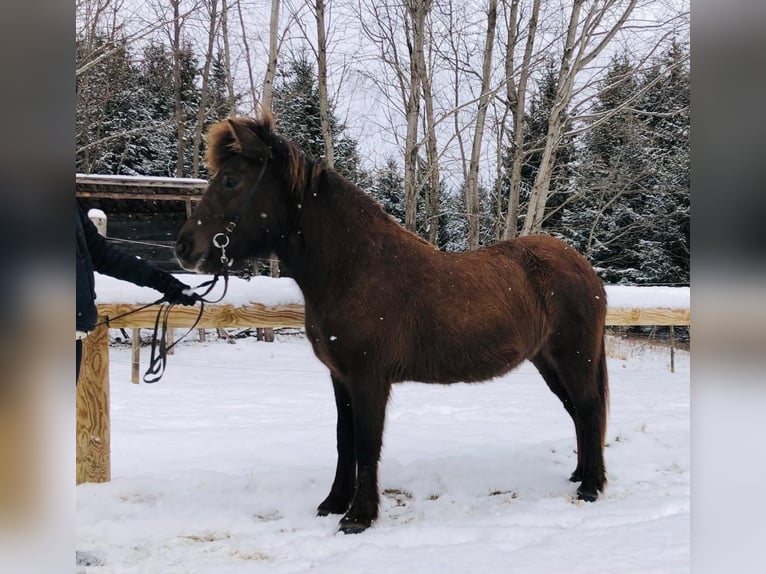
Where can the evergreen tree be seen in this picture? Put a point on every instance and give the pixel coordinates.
(667, 144)
(126, 110)
(156, 72)
(631, 213)
(219, 106)
(387, 187)
(605, 221)
(190, 101)
(453, 227)
(110, 111)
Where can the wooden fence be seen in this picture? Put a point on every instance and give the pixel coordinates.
(93, 433)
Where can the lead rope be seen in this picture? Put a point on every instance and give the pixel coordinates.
(158, 356)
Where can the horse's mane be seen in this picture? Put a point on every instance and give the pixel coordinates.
(256, 137)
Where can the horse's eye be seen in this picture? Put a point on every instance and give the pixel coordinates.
(229, 182)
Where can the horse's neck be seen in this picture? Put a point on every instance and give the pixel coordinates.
(333, 233)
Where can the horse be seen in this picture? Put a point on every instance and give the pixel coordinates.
(382, 305)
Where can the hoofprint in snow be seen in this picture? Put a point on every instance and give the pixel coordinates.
(219, 467)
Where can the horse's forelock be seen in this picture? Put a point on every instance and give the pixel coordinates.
(219, 145)
(222, 143)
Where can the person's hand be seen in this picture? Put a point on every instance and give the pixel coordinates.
(179, 293)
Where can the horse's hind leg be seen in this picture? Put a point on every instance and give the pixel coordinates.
(342, 491)
(547, 370)
(582, 372)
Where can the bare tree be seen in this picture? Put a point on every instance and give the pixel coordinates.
(254, 95)
(583, 31)
(225, 33)
(324, 101)
(414, 26)
(434, 188)
(267, 94)
(179, 114)
(271, 67)
(472, 183)
(516, 95)
(212, 8)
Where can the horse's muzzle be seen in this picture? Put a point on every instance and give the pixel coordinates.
(183, 251)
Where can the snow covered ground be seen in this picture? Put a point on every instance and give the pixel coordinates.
(218, 469)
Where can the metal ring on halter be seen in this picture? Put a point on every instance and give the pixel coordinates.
(221, 244)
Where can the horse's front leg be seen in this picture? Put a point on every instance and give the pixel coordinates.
(369, 401)
(342, 491)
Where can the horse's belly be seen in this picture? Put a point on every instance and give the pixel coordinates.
(439, 365)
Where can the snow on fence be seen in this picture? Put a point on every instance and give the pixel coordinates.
(264, 302)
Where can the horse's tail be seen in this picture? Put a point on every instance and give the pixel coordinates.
(603, 388)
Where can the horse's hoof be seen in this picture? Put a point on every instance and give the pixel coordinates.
(353, 526)
(329, 506)
(587, 494)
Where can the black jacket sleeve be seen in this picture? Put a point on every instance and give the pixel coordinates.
(109, 260)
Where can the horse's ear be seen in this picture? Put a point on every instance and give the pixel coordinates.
(245, 139)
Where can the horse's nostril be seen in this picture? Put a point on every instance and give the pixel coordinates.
(182, 248)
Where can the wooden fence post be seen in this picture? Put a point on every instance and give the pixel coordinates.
(135, 356)
(93, 437)
(672, 349)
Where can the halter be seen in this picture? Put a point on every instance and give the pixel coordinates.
(221, 240)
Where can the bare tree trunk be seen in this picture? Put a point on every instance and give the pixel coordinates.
(432, 195)
(324, 100)
(268, 92)
(231, 95)
(248, 60)
(500, 138)
(179, 114)
(472, 183)
(517, 97)
(574, 59)
(453, 35)
(271, 67)
(205, 88)
(414, 23)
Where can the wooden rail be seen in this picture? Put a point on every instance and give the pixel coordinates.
(93, 434)
(229, 316)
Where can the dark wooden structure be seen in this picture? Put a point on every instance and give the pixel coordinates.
(140, 187)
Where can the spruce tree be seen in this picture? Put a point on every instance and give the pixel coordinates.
(387, 187)
(667, 144)
(109, 111)
(631, 213)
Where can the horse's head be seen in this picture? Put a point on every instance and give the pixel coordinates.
(256, 184)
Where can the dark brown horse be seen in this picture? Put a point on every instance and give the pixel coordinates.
(383, 305)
